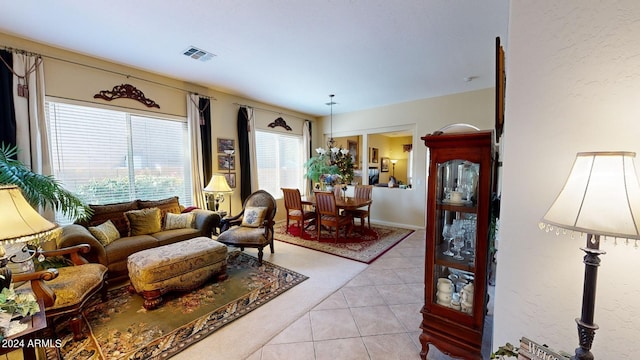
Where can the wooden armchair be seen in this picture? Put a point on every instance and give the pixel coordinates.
(66, 290)
(329, 216)
(362, 192)
(253, 226)
(295, 210)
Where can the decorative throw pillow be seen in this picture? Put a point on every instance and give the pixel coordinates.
(145, 221)
(178, 221)
(105, 232)
(253, 216)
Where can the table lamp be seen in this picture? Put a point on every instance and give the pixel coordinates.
(19, 223)
(601, 197)
(217, 186)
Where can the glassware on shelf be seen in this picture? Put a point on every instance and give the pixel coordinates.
(448, 236)
(458, 243)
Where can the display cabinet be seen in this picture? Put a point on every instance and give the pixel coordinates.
(457, 242)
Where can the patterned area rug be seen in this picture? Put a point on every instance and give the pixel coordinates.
(122, 329)
(365, 247)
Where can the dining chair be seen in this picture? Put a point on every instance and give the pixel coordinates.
(362, 192)
(329, 216)
(296, 211)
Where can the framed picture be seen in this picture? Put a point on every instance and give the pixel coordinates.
(373, 155)
(353, 151)
(225, 144)
(231, 179)
(226, 162)
(384, 164)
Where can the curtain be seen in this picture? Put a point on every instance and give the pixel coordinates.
(7, 112)
(253, 162)
(195, 144)
(306, 152)
(32, 136)
(204, 107)
(243, 153)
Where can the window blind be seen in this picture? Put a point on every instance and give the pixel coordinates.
(280, 162)
(106, 156)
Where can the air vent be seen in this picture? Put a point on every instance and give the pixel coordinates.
(198, 54)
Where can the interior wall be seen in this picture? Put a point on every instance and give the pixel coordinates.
(573, 79)
(406, 207)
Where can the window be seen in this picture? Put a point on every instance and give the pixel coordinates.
(107, 156)
(280, 162)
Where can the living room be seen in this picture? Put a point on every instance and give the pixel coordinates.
(572, 81)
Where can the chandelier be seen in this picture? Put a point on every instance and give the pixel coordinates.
(331, 142)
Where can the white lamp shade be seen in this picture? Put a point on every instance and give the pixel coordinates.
(218, 183)
(600, 197)
(19, 222)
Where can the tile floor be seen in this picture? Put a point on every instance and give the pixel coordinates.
(376, 315)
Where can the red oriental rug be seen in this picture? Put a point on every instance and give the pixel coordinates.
(365, 247)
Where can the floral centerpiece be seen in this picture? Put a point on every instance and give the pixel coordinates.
(330, 167)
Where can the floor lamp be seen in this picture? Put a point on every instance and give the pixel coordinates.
(229, 154)
(19, 223)
(601, 197)
(393, 167)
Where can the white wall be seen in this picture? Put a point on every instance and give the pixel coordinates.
(573, 84)
(422, 117)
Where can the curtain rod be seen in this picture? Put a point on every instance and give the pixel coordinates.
(271, 111)
(20, 51)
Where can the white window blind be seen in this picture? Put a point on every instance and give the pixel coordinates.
(280, 162)
(107, 156)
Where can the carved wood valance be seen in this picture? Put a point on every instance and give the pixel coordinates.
(126, 91)
(280, 122)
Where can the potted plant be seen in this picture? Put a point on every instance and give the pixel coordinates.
(330, 167)
(38, 189)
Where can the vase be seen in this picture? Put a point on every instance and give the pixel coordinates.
(329, 188)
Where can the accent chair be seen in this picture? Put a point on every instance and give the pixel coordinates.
(67, 289)
(253, 226)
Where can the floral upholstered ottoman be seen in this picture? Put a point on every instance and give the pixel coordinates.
(181, 266)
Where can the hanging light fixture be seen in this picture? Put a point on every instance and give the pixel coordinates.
(331, 142)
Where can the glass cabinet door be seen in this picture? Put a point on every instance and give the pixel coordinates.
(455, 238)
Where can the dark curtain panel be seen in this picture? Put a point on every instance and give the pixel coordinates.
(7, 111)
(243, 154)
(205, 137)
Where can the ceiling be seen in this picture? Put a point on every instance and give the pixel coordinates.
(287, 53)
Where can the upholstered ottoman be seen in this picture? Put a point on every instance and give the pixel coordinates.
(180, 266)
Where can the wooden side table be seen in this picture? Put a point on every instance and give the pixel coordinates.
(25, 339)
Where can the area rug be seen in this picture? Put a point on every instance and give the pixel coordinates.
(364, 247)
(121, 328)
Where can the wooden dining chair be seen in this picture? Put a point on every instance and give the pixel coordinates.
(295, 210)
(329, 216)
(362, 192)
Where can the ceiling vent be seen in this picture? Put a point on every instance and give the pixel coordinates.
(198, 54)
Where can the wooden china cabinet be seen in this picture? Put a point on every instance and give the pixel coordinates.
(459, 189)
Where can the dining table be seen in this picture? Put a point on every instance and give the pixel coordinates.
(342, 202)
(345, 203)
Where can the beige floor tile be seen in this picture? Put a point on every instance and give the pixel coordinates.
(383, 276)
(332, 324)
(412, 275)
(334, 301)
(398, 294)
(341, 349)
(390, 263)
(409, 315)
(299, 331)
(376, 320)
(391, 347)
(256, 355)
(362, 296)
(298, 351)
(361, 279)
